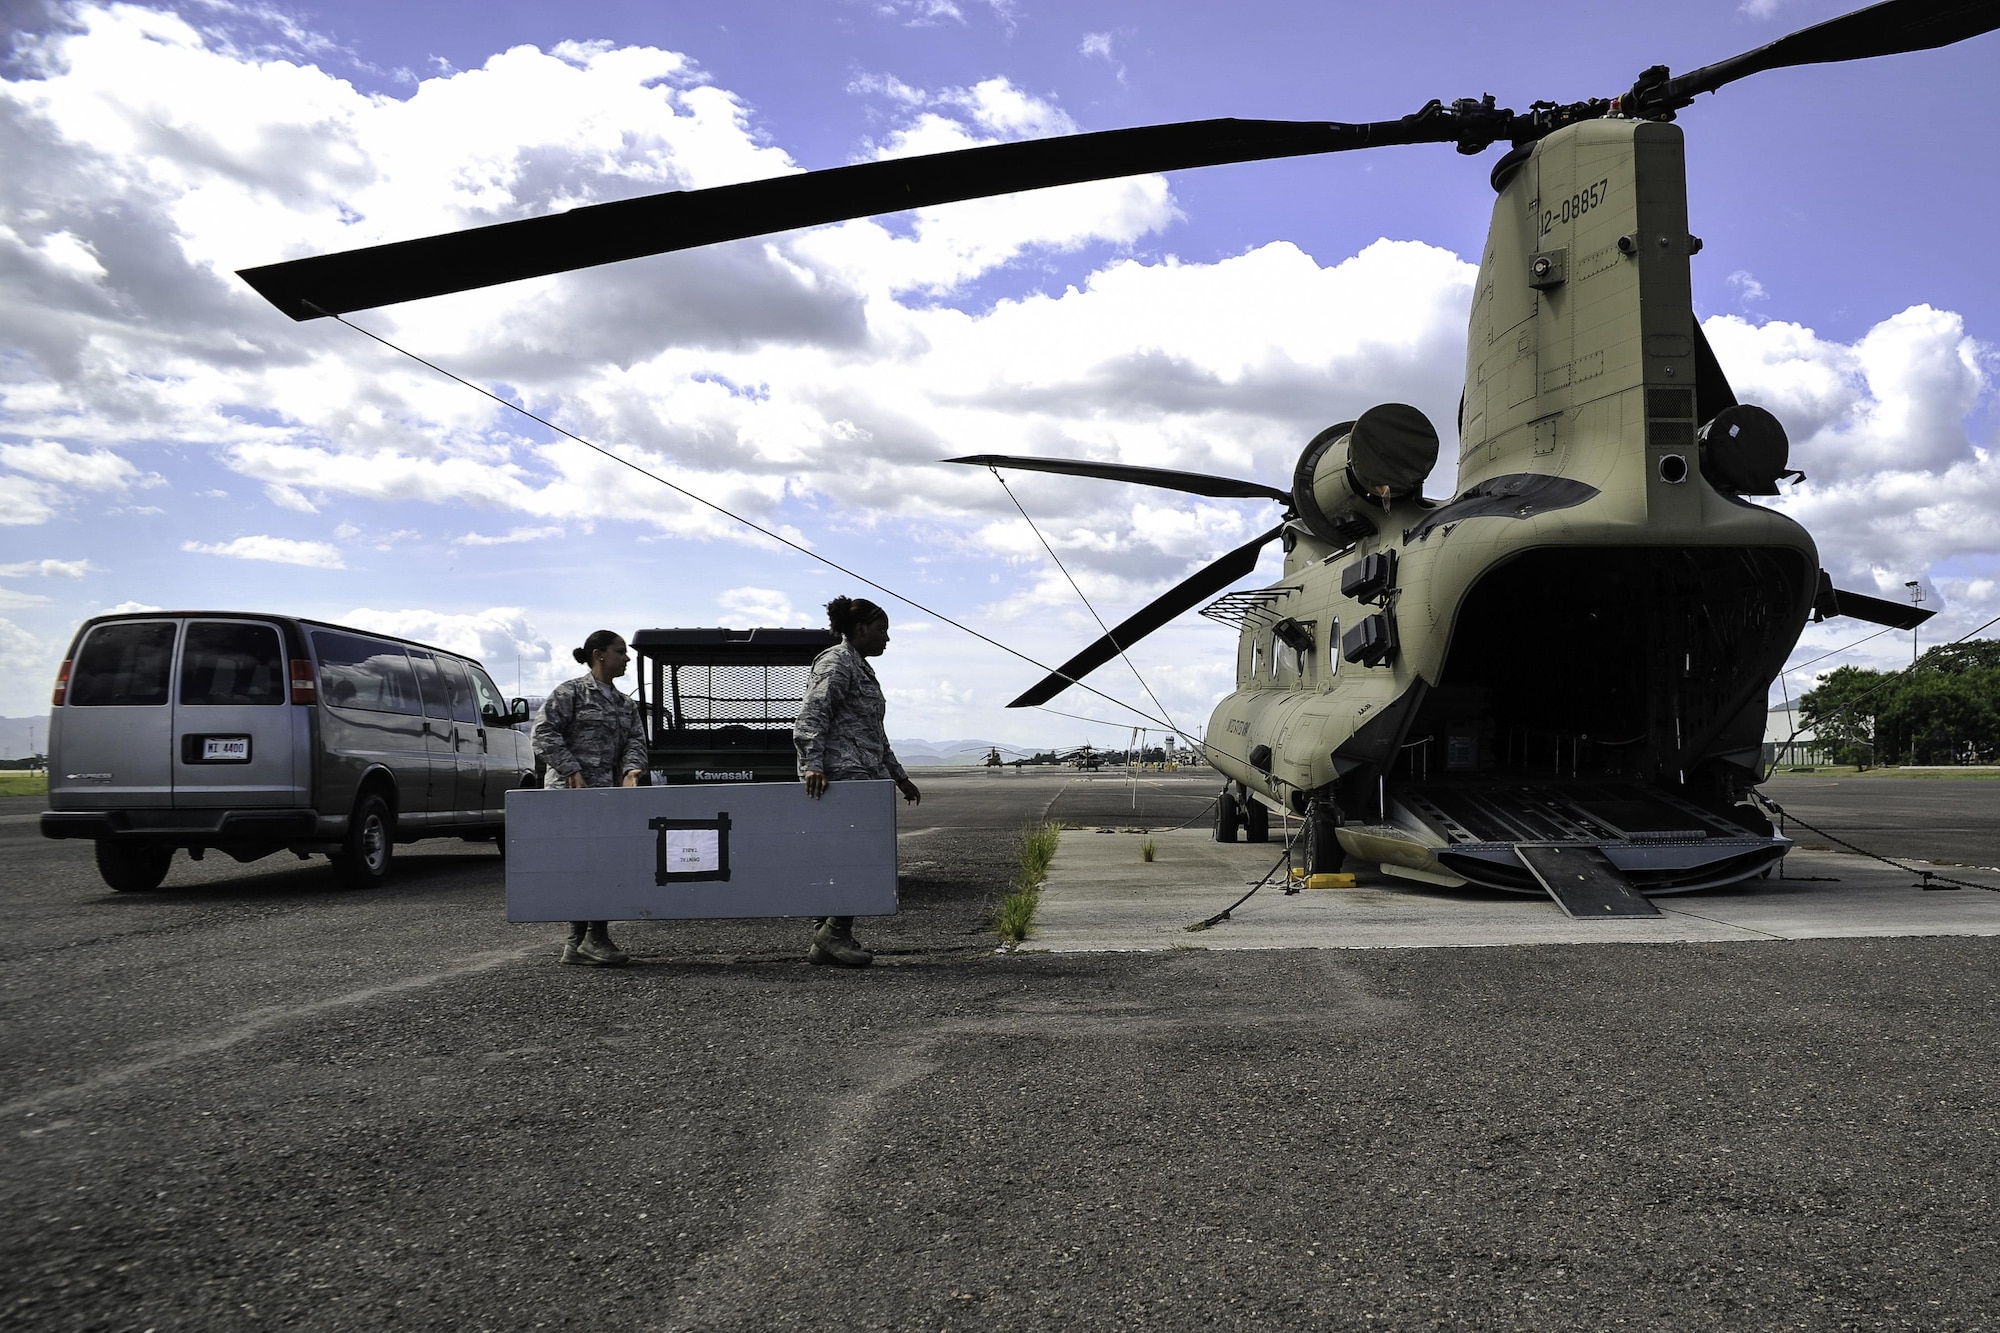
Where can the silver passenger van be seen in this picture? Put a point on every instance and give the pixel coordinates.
(253, 734)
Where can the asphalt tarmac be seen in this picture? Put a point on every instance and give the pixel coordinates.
(254, 1100)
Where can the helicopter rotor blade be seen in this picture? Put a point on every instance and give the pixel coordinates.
(1194, 483)
(1887, 29)
(678, 220)
(1190, 592)
(1711, 387)
(1833, 601)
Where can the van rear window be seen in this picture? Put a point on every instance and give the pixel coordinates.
(123, 663)
(365, 673)
(225, 662)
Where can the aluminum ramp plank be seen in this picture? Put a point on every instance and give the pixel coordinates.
(1584, 883)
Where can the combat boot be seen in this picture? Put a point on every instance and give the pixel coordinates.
(576, 932)
(597, 947)
(833, 945)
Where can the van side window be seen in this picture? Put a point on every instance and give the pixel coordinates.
(462, 707)
(365, 673)
(491, 706)
(436, 702)
(224, 662)
(125, 663)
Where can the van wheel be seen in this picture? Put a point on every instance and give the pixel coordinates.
(363, 859)
(132, 867)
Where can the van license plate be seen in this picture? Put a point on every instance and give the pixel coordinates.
(225, 748)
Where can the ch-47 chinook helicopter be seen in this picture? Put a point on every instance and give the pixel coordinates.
(1555, 679)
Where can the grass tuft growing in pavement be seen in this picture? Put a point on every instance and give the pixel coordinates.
(1016, 913)
(1148, 850)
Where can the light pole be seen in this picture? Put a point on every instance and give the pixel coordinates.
(1916, 599)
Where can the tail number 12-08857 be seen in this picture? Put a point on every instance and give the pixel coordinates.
(1574, 207)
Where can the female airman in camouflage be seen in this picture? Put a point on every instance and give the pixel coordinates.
(840, 737)
(590, 735)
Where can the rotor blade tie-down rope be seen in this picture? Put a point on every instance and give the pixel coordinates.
(1019, 507)
(1223, 915)
(1926, 875)
(710, 504)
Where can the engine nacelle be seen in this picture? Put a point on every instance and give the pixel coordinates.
(1383, 456)
(1744, 450)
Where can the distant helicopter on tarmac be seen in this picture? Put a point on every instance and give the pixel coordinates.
(1554, 680)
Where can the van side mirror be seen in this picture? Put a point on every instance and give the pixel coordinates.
(520, 712)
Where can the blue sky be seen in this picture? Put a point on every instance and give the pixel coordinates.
(166, 439)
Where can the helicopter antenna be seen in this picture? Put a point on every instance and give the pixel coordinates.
(1080, 595)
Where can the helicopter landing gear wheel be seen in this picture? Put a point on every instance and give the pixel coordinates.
(1256, 820)
(1323, 854)
(1228, 817)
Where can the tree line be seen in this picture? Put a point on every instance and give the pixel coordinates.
(1945, 709)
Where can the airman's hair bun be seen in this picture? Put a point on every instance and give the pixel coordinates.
(597, 642)
(844, 615)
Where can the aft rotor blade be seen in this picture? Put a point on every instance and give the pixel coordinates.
(1194, 483)
(1876, 610)
(1189, 593)
(679, 220)
(1711, 387)
(1886, 29)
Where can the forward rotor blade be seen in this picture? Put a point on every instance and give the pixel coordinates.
(654, 224)
(1194, 483)
(1190, 592)
(1887, 29)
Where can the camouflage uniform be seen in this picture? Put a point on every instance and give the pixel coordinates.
(839, 731)
(581, 731)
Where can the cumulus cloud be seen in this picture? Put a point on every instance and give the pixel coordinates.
(1749, 291)
(1097, 46)
(97, 470)
(747, 608)
(507, 538)
(289, 497)
(48, 569)
(501, 637)
(27, 657)
(277, 550)
(1898, 488)
(24, 502)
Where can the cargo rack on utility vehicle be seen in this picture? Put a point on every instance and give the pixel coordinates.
(719, 703)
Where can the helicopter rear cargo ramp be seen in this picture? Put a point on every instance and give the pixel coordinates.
(1654, 841)
(1584, 882)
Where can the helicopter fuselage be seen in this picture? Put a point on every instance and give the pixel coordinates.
(1582, 640)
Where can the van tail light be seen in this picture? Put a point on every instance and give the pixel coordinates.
(303, 691)
(62, 683)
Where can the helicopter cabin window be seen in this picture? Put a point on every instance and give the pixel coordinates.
(1292, 654)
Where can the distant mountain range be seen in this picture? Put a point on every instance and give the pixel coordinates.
(915, 753)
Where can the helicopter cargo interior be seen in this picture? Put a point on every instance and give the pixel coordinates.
(1529, 736)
